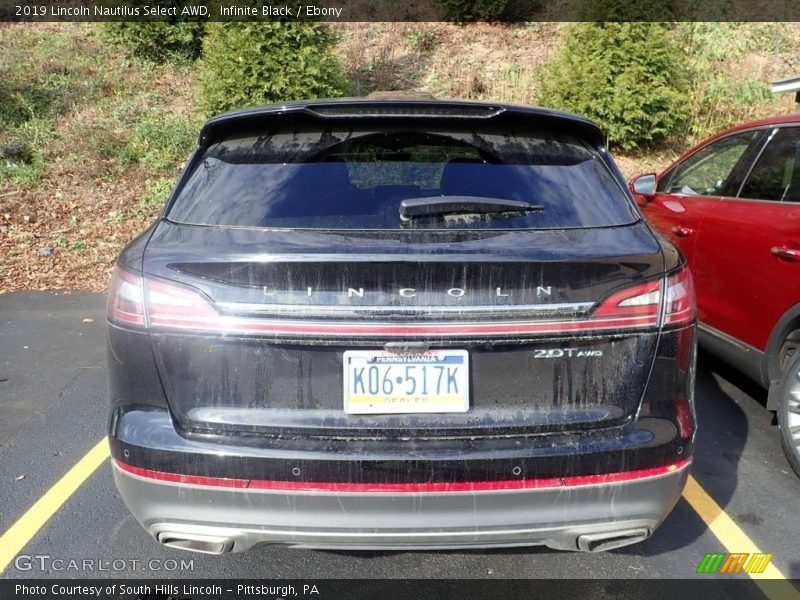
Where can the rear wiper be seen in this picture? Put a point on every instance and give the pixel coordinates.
(435, 206)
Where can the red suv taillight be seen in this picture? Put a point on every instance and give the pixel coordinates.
(644, 300)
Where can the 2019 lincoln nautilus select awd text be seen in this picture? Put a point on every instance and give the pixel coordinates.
(400, 324)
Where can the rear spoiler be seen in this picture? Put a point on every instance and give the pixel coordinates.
(381, 111)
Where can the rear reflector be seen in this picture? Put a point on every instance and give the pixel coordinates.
(413, 488)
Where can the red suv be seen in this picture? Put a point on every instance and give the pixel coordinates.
(732, 205)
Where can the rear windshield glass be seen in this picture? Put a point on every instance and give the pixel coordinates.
(346, 178)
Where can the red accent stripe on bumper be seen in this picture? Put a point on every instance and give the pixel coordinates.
(457, 486)
(178, 478)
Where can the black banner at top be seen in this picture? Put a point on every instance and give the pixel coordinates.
(404, 11)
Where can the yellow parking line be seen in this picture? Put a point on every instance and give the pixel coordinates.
(21, 532)
(772, 582)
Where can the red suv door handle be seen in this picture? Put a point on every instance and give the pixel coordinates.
(786, 253)
(682, 231)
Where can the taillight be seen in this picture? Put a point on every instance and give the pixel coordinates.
(166, 304)
(638, 300)
(175, 306)
(125, 298)
(644, 300)
(680, 303)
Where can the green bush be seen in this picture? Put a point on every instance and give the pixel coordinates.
(629, 77)
(158, 41)
(463, 11)
(246, 64)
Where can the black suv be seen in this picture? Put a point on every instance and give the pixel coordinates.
(400, 324)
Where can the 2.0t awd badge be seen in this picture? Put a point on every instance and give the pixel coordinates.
(568, 352)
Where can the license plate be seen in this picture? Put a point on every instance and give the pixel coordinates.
(379, 382)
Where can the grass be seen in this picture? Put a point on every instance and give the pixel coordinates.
(479, 61)
(64, 91)
(43, 79)
(90, 144)
(160, 142)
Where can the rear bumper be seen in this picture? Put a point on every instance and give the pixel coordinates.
(206, 493)
(582, 517)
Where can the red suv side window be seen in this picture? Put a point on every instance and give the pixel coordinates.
(711, 170)
(776, 175)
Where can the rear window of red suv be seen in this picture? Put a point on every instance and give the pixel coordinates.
(350, 178)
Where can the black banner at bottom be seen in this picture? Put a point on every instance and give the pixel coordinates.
(713, 588)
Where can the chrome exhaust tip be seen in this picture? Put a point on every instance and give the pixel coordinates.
(609, 540)
(204, 544)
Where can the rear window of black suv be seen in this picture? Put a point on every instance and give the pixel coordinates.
(343, 177)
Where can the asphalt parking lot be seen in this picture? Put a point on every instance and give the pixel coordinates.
(53, 412)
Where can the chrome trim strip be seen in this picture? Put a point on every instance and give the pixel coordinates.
(306, 310)
(745, 358)
(722, 336)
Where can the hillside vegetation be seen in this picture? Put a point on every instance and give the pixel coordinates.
(92, 137)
